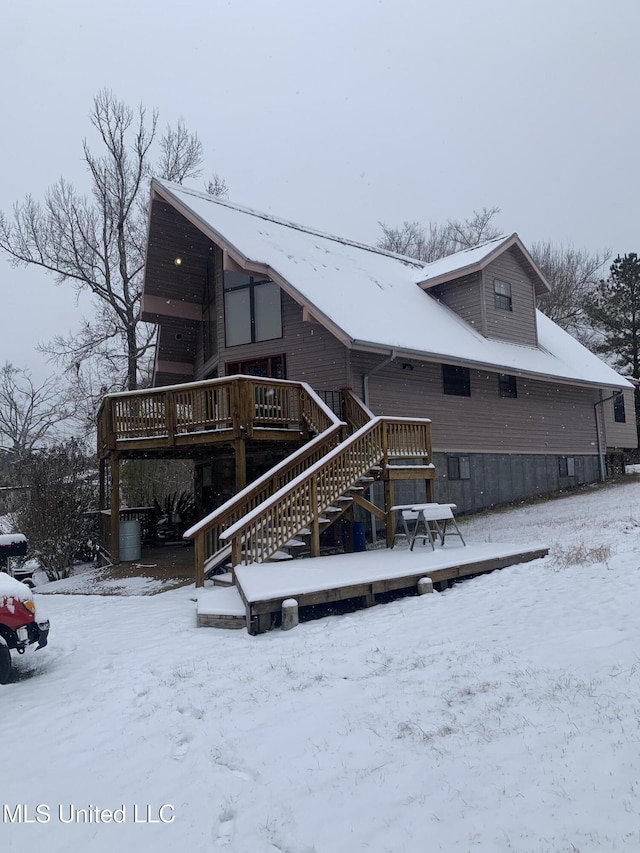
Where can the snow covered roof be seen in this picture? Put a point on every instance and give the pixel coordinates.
(374, 300)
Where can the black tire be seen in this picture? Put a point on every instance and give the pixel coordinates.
(5, 662)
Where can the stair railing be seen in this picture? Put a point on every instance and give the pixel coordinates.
(207, 533)
(299, 504)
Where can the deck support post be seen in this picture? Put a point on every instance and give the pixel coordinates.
(199, 559)
(388, 503)
(289, 614)
(240, 450)
(425, 585)
(114, 505)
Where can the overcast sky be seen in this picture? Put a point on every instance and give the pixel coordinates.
(337, 114)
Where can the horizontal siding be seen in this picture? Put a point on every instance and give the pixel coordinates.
(463, 296)
(621, 435)
(311, 353)
(546, 417)
(518, 325)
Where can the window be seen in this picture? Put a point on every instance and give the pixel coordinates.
(271, 367)
(458, 468)
(252, 309)
(618, 409)
(566, 466)
(456, 380)
(507, 385)
(502, 295)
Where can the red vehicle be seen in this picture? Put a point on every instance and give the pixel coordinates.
(19, 624)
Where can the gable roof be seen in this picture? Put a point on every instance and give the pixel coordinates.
(374, 300)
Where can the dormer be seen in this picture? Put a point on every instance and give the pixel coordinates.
(493, 287)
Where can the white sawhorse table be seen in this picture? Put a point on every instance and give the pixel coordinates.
(438, 515)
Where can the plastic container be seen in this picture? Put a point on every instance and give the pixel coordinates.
(359, 539)
(129, 540)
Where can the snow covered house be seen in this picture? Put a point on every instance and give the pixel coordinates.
(517, 406)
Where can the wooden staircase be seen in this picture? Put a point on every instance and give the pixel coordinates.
(313, 488)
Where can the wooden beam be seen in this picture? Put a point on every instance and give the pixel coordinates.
(365, 504)
(240, 449)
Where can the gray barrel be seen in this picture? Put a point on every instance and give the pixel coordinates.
(129, 540)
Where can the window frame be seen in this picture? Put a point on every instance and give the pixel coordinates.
(619, 414)
(249, 286)
(458, 468)
(456, 380)
(502, 296)
(507, 386)
(566, 466)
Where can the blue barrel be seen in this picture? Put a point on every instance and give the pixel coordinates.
(359, 540)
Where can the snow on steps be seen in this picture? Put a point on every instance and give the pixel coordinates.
(221, 607)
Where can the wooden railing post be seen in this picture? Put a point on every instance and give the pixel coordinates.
(170, 416)
(199, 558)
(315, 522)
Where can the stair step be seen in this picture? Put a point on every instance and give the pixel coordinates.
(294, 543)
(225, 579)
(279, 557)
(333, 509)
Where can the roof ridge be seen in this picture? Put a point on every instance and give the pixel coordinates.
(289, 224)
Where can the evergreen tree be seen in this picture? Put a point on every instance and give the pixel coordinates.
(614, 310)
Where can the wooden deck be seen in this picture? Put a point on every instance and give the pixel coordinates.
(362, 578)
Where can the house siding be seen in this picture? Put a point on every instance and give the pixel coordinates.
(620, 435)
(464, 296)
(546, 417)
(518, 325)
(312, 354)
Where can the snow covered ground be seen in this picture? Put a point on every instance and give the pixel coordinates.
(501, 715)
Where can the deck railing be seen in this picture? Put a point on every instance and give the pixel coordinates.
(298, 505)
(355, 411)
(239, 404)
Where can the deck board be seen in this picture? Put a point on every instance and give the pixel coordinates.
(264, 587)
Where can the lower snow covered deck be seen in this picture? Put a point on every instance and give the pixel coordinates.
(257, 599)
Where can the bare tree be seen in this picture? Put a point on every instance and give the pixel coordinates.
(28, 412)
(437, 241)
(97, 243)
(574, 275)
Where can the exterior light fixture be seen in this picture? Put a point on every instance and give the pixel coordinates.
(178, 262)
(407, 366)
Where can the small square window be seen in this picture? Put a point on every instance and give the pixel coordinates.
(502, 295)
(507, 385)
(619, 415)
(456, 380)
(458, 468)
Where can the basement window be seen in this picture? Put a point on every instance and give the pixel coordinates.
(458, 468)
(566, 466)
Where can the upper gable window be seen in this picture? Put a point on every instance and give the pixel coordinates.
(252, 309)
(456, 380)
(502, 295)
